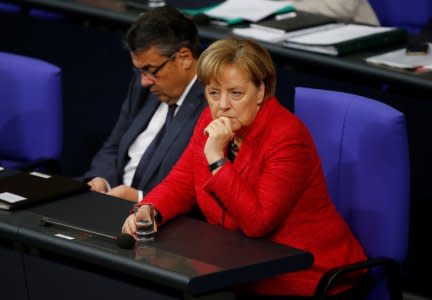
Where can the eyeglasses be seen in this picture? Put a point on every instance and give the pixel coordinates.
(153, 74)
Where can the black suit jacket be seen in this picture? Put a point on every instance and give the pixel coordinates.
(136, 113)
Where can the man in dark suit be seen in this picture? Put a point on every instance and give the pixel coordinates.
(158, 116)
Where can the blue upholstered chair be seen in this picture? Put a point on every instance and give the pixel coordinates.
(411, 15)
(33, 12)
(45, 14)
(363, 147)
(30, 113)
(9, 8)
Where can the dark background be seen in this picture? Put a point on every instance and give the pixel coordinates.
(96, 70)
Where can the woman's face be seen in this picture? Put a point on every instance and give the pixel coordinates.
(234, 96)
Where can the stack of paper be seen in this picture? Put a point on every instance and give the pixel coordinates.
(275, 30)
(260, 34)
(233, 11)
(337, 39)
(399, 59)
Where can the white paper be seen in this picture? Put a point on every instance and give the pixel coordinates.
(399, 59)
(259, 34)
(63, 236)
(1, 168)
(328, 50)
(336, 34)
(42, 175)
(251, 10)
(11, 198)
(310, 30)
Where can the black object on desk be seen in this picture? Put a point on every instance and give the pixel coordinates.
(300, 20)
(21, 189)
(417, 48)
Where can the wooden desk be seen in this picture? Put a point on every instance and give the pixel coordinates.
(189, 259)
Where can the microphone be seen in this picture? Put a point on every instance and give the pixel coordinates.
(124, 241)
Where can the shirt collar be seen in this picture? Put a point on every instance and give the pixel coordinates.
(186, 91)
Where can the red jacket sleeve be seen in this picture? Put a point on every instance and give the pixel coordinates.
(175, 195)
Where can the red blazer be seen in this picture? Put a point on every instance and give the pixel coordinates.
(274, 189)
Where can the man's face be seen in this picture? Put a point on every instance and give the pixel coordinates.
(165, 76)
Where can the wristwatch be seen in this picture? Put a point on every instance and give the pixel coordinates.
(217, 164)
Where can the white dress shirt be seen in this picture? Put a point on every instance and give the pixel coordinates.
(143, 140)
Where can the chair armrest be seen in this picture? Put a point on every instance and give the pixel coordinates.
(390, 266)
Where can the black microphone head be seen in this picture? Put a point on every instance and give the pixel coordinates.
(125, 241)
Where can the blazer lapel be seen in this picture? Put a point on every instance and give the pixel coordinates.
(244, 157)
(193, 101)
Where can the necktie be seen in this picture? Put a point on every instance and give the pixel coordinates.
(148, 154)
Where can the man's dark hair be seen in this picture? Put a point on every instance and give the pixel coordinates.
(165, 28)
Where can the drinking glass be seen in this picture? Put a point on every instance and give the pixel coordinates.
(145, 224)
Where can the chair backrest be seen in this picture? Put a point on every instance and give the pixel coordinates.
(33, 12)
(31, 110)
(411, 15)
(9, 8)
(363, 147)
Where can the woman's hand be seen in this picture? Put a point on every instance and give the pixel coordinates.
(145, 212)
(129, 225)
(219, 132)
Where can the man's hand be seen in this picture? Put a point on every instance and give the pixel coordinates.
(124, 192)
(98, 184)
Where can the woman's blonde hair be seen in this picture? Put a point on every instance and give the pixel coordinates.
(244, 54)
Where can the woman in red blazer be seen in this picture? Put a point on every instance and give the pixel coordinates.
(252, 166)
